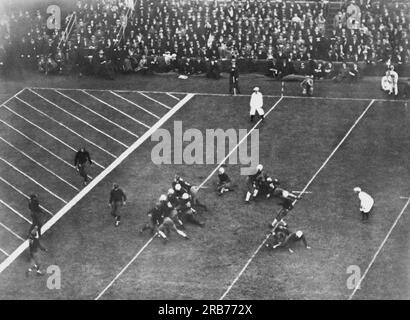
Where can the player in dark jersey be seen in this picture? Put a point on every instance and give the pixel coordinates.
(307, 86)
(80, 162)
(186, 212)
(290, 240)
(155, 219)
(287, 204)
(34, 246)
(268, 186)
(253, 183)
(116, 201)
(187, 187)
(36, 213)
(224, 183)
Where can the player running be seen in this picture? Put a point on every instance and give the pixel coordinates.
(224, 183)
(80, 162)
(287, 204)
(116, 201)
(36, 213)
(34, 245)
(366, 203)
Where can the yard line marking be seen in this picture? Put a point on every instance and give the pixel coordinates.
(11, 231)
(294, 202)
(238, 144)
(116, 109)
(46, 132)
(238, 95)
(13, 96)
(23, 194)
(201, 186)
(75, 117)
(379, 249)
(152, 99)
(97, 180)
(39, 164)
(4, 252)
(125, 267)
(33, 180)
(172, 96)
(405, 198)
(39, 145)
(133, 103)
(101, 116)
(15, 211)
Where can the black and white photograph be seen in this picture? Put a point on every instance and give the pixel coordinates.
(204, 150)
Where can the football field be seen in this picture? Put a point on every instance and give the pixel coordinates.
(324, 145)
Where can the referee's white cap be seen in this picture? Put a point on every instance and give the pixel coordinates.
(357, 189)
(256, 89)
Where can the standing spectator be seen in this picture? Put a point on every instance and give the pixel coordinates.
(234, 78)
(116, 201)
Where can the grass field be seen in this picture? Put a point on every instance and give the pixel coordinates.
(347, 135)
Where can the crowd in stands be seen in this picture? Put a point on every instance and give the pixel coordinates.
(191, 36)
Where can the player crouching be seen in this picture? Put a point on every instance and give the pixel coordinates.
(224, 183)
(307, 86)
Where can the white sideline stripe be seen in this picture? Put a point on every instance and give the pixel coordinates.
(133, 103)
(238, 144)
(32, 179)
(201, 186)
(172, 96)
(23, 194)
(379, 249)
(116, 109)
(95, 181)
(5, 253)
(39, 164)
(46, 132)
(13, 96)
(294, 202)
(125, 268)
(75, 117)
(238, 95)
(405, 198)
(101, 116)
(39, 145)
(152, 99)
(15, 211)
(11, 231)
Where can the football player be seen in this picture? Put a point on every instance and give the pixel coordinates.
(166, 227)
(268, 186)
(186, 212)
(287, 204)
(290, 240)
(34, 246)
(253, 183)
(224, 183)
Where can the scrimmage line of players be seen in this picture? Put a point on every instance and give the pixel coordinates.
(181, 206)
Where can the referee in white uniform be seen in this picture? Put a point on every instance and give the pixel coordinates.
(256, 104)
(366, 202)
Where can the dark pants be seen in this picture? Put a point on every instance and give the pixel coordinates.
(233, 84)
(115, 209)
(37, 221)
(82, 171)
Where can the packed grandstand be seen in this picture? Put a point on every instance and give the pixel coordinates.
(276, 37)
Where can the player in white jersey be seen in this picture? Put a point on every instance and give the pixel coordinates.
(256, 104)
(366, 202)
